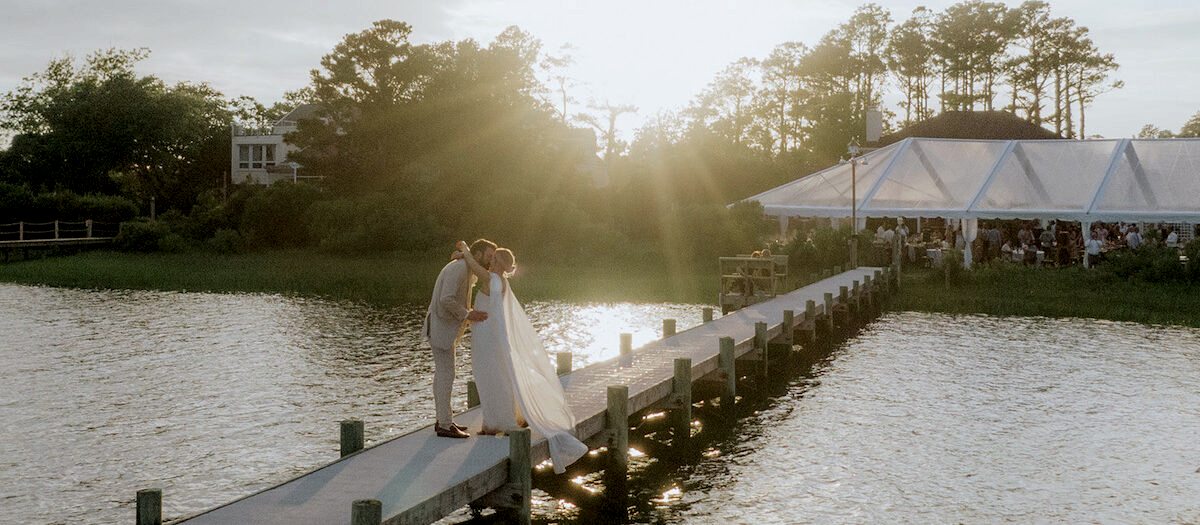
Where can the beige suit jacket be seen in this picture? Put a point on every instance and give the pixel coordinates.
(446, 318)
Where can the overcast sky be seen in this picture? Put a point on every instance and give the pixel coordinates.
(654, 54)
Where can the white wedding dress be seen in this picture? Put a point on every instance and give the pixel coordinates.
(491, 364)
(531, 378)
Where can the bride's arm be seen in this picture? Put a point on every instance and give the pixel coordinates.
(482, 273)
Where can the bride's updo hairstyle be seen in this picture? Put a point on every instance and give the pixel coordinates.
(505, 257)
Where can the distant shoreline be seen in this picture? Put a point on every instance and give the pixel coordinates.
(382, 279)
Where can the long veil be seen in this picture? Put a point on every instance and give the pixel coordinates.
(538, 390)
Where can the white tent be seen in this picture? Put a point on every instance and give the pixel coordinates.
(1093, 180)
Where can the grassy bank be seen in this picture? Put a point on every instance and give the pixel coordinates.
(1069, 292)
(381, 279)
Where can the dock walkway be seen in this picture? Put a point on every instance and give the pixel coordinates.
(420, 478)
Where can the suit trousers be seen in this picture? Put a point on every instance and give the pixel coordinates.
(443, 383)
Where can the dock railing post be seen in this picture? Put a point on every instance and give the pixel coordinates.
(626, 344)
(727, 360)
(89, 228)
(149, 507)
(352, 438)
(520, 473)
(682, 390)
(21, 231)
(564, 361)
(366, 512)
(707, 314)
(56, 229)
(472, 394)
(761, 344)
(668, 328)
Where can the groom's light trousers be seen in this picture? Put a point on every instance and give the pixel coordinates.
(443, 383)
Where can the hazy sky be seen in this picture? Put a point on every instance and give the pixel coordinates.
(654, 54)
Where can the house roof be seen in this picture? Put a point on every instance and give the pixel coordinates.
(301, 112)
(978, 125)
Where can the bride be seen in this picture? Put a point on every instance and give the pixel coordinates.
(514, 366)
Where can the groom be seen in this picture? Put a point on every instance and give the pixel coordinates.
(449, 312)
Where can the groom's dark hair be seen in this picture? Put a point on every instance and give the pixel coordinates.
(480, 246)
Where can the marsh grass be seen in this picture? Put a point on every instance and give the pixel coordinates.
(1067, 292)
(385, 279)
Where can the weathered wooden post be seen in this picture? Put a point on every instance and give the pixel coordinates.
(89, 228)
(727, 360)
(869, 298)
(366, 512)
(856, 313)
(21, 231)
(760, 344)
(668, 328)
(564, 360)
(626, 344)
(352, 436)
(149, 507)
(616, 471)
(813, 277)
(810, 323)
(789, 325)
(829, 326)
(520, 473)
(896, 258)
(472, 394)
(681, 388)
(707, 314)
(56, 229)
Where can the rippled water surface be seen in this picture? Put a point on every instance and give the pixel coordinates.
(919, 419)
(213, 397)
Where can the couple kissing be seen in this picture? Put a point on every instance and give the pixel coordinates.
(517, 383)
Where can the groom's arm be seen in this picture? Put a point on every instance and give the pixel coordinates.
(449, 302)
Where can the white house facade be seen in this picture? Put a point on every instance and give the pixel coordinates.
(262, 158)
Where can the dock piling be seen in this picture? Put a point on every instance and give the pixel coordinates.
(520, 473)
(727, 361)
(149, 507)
(366, 512)
(682, 389)
(352, 438)
(668, 328)
(617, 419)
(707, 314)
(563, 360)
(760, 344)
(789, 325)
(472, 395)
(626, 344)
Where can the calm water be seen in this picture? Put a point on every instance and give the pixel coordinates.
(922, 418)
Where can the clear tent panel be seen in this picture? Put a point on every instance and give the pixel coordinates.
(1047, 176)
(936, 176)
(831, 188)
(1155, 178)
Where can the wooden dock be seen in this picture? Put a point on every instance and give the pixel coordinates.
(418, 478)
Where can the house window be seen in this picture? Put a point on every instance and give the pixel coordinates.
(256, 156)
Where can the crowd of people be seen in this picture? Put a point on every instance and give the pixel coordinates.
(1029, 242)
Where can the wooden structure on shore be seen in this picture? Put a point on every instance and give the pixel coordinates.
(748, 280)
(24, 237)
(418, 478)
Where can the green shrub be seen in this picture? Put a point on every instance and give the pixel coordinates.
(275, 217)
(174, 243)
(140, 236)
(1192, 251)
(1152, 262)
(225, 241)
(374, 223)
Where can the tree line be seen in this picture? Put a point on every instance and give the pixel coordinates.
(416, 143)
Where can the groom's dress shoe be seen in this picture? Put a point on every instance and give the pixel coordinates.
(459, 427)
(451, 432)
